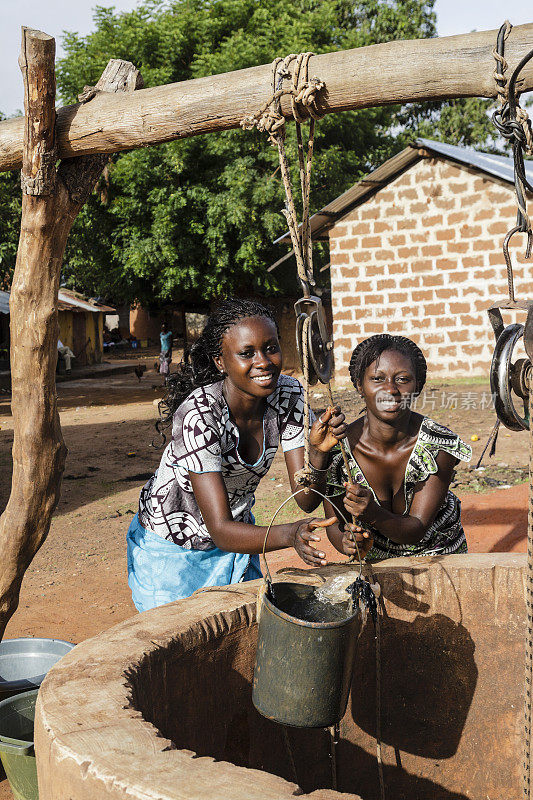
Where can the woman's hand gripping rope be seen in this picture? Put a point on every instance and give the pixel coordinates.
(358, 502)
(328, 431)
(357, 541)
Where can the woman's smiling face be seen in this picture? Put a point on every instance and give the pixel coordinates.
(389, 385)
(251, 356)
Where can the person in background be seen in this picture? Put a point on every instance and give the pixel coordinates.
(66, 354)
(165, 357)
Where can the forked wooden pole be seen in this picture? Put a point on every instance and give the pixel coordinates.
(52, 197)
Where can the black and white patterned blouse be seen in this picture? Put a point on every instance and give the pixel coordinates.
(204, 439)
(446, 534)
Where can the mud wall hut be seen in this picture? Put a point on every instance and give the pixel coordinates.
(81, 326)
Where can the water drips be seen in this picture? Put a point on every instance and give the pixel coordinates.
(326, 603)
(311, 609)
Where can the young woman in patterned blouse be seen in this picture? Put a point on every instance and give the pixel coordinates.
(229, 407)
(401, 462)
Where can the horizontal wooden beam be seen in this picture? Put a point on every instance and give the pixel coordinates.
(394, 72)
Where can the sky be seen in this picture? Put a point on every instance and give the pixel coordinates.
(55, 16)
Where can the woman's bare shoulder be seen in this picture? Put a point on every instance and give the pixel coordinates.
(354, 430)
(416, 422)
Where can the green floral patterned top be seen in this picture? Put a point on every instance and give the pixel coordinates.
(446, 534)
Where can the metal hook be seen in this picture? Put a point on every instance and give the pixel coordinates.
(507, 255)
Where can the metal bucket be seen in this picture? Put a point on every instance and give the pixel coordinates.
(16, 744)
(25, 661)
(303, 669)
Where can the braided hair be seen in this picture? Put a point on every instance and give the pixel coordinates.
(198, 367)
(369, 350)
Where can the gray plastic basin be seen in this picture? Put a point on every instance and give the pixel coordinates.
(25, 661)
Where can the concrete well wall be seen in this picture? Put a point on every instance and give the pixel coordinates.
(160, 706)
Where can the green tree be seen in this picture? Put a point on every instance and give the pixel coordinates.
(466, 122)
(10, 210)
(195, 218)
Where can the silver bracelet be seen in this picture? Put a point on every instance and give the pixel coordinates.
(316, 474)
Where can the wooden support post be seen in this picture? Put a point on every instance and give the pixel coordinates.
(393, 72)
(52, 197)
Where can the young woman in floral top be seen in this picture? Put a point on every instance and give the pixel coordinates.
(401, 462)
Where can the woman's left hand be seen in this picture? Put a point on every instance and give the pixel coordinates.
(355, 533)
(359, 502)
(328, 429)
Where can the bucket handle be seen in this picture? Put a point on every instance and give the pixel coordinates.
(16, 749)
(264, 563)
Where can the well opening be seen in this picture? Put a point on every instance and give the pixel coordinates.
(451, 651)
(210, 712)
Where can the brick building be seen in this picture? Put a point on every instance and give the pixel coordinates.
(416, 249)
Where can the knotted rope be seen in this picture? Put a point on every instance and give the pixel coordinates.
(514, 124)
(521, 129)
(512, 121)
(304, 92)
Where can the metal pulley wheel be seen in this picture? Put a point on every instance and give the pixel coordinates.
(506, 378)
(319, 347)
(311, 374)
(320, 351)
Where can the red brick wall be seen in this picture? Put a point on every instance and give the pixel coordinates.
(423, 258)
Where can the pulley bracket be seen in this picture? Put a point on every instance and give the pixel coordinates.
(506, 377)
(319, 345)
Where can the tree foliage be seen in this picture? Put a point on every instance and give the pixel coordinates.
(10, 211)
(195, 218)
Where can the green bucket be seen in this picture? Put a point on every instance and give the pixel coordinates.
(16, 744)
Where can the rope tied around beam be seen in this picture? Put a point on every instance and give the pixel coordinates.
(501, 63)
(511, 120)
(303, 94)
(513, 124)
(520, 128)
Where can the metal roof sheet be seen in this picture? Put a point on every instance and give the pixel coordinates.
(72, 301)
(496, 166)
(67, 301)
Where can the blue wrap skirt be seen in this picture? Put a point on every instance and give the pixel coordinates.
(160, 571)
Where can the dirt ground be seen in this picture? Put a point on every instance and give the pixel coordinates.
(77, 584)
